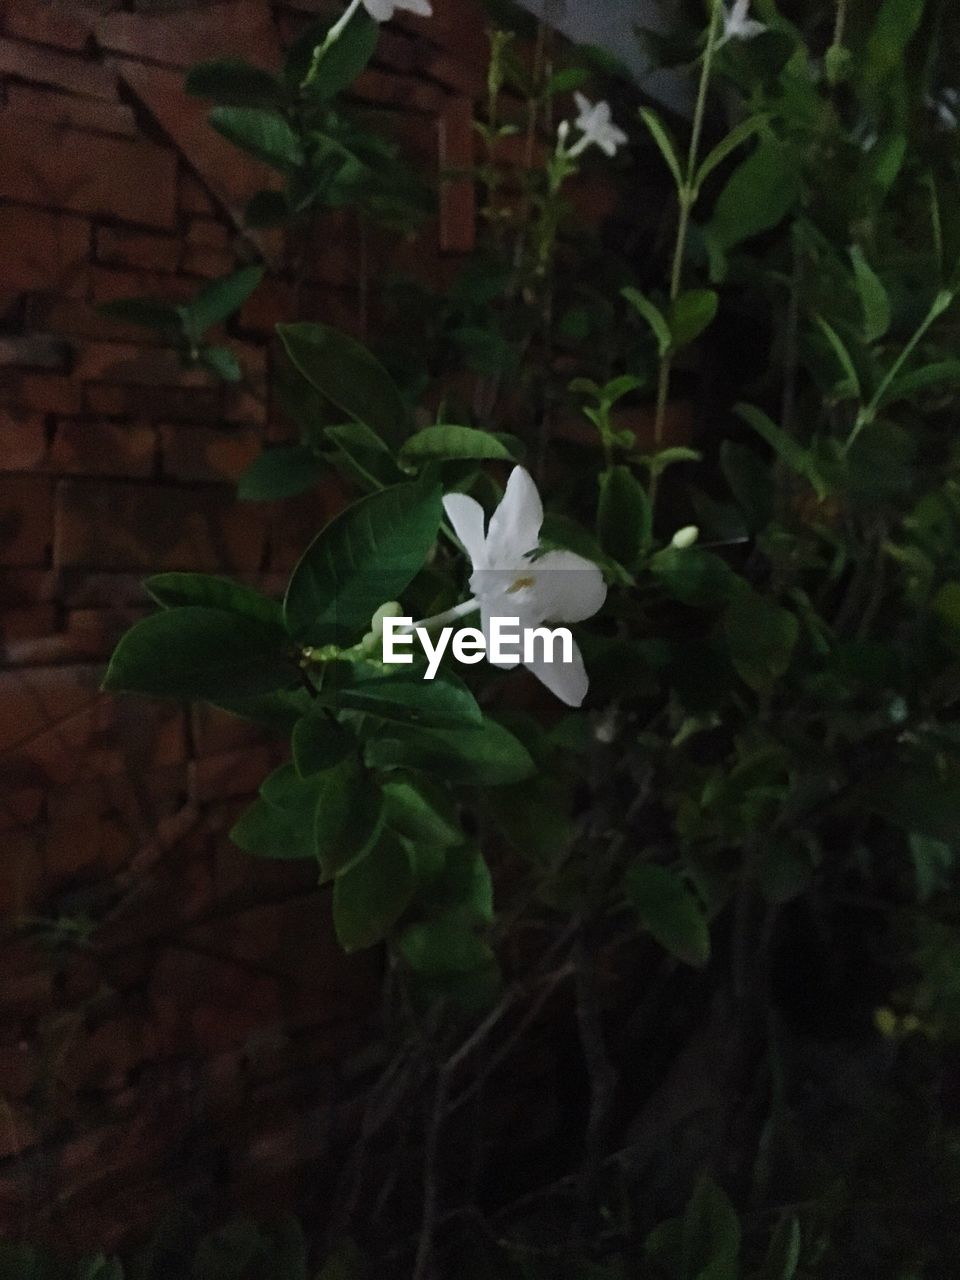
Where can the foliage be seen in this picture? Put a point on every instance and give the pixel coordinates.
(733, 874)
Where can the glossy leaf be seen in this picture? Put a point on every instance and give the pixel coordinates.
(220, 299)
(874, 298)
(737, 136)
(441, 947)
(264, 134)
(670, 911)
(280, 472)
(371, 896)
(624, 518)
(410, 699)
(267, 832)
(231, 82)
(759, 194)
(319, 743)
(666, 145)
(653, 316)
(368, 554)
(692, 313)
(174, 589)
(485, 757)
(363, 454)
(443, 443)
(343, 60)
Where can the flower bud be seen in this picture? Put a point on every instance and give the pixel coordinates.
(685, 537)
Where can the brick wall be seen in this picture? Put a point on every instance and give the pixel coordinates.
(172, 1013)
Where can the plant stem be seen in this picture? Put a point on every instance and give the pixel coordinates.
(441, 619)
(687, 197)
(335, 32)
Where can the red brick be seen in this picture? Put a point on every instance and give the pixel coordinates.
(21, 873)
(91, 636)
(23, 443)
(68, 26)
(137, 249)
(181, 37)
(146, 401)
(237, 773)
(26, 519)
(457, 195)
(28, 586)
(65, 109)
(19, 1068)
(25, 979)
(216, 732)
(233, 176)
(44, 250)
(197, 453)
(20, 809)
(200, 261)
(40, 392)
(74, 318)
(18, 1131)
(108, 283)
(245, 406)
(66, 71)
(102, 449)
(154, 527)
(398, 91)
(26, 622)
(194, 196)
(34, 351)
(89, 173)
(127, 364)
(203, 1002)
(205, 233)
(103, 1058)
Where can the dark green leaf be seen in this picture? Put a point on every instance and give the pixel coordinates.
(349, 376)
(486, 757)
(783, 1256)
(441, 443)
(319, 743)
(174, 589)
(371, 896)
(437, 948)
(223, 362)
(280, 472)
(691, 314)
(220, 299)
(364, 557)
(693, 576)
(750, 482)
(349, 811)
(653, 316)
(231, 82)
(342, 61)
(264, 134)
(873, 297)
(149, 313)
(791, 451)
(364, 456)
(624, 518)
(199, 652)
(761, 637)
(665, 143)
(671, 912)
(422, 813)
(759, 194)
(916, 800)
(412, 700)
(711, 1234)
(268, 832)
(726, 146)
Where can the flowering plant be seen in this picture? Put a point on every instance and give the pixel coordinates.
(746, 786)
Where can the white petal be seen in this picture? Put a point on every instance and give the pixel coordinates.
(467, 517)
(495, 609)
(584, 105)
(749, 30)
(421, 7)
(380, 10)
(568, 588)
(566, 680)
(515, 525)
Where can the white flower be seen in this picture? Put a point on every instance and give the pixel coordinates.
(557, 587)
(685, 537)
(738, 25)
(596, 127)
(383, 10)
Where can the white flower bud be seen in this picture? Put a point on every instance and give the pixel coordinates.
(685, 537)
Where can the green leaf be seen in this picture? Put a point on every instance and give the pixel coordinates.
(342, 61)
(692, 313)
(566, 80)
(438, 948)
(726, 146)
(666, 144)
(231, 82)
(174, 589)
(222, 361)
(280, 472)
(462, 884)
(760, 192)
(367, 458)
(711, 1234)
(694, 576)
(750, 483)
(933, 865)
(348, 375)
(852, 385)
(268, 832)
(442, 443)
(371, 896)
(761, 637)
(366, 555)
(199, 652)
(653, 316)
(916, 800)
(783, 1256)
(891, 31)
(149, 313)
(670, 911)
(485, 757)
(624, 518)
(941, 373)
(791, 451)
(348, 816)
(411, 700)
(422, 813)
(220, 299)
(873, 297)
(264, 134)
(319, 743)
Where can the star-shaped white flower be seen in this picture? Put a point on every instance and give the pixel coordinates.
(596, 127)
(383, 10)
(738, 25)
(507, 583)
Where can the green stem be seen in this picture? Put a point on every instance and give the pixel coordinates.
(687, 197)
(334, 34)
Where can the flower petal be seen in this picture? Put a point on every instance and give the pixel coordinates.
(515, 525)
(566, 680)
(568, 588)
(380, 10)
(496, 610)
(467, 517)
(416, 6)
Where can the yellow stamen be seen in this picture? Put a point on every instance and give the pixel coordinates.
(520, 585)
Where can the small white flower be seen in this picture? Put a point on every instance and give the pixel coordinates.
(685, 537)
(383, 10)
(738, 25)
(507, 583)
(596, 127)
